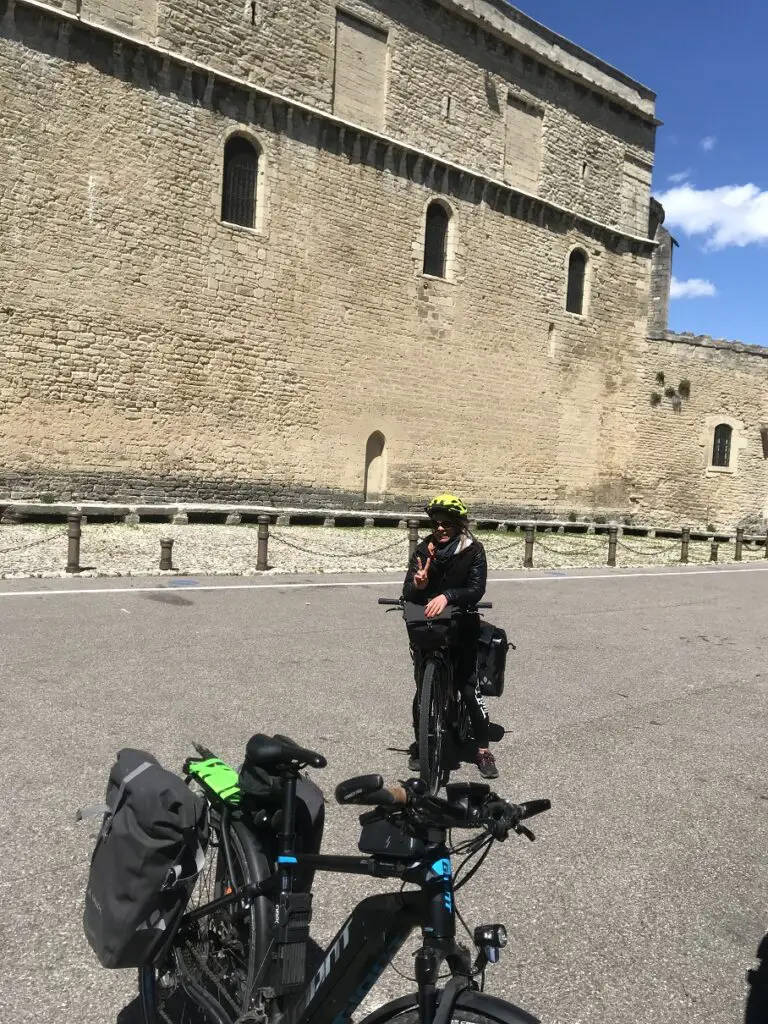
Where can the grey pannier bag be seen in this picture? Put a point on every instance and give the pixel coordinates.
(149, 851)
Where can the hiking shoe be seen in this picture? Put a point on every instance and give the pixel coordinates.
(414, 765)
(486, 765)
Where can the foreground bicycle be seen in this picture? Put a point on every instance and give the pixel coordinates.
(441, 708)
(239, 956)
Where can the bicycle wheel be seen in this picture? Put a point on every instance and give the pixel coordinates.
(470, 1008)
(208, 973)
(431, 713)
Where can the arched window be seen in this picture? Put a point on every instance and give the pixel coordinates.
(238, 193)
(436, 240)
(721, 449)
(375, 467)
(577, 272)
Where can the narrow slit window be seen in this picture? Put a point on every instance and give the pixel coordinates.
(721, 449)
(577, 272)
(436, 240)
(238, 194)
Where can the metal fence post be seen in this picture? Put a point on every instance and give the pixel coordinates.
(413, 536)
(613, 535)
(713, 551)
(74, 519)
(166, 553)
(530, 534)
(261, 559)
(739, 543)
(685, 538)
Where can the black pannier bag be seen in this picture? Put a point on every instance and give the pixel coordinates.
(149, 851)
(429, 634)
(492, 647)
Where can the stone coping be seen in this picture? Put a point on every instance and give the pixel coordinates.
(717, 344)
(556, 50)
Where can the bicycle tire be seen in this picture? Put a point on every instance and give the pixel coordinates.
(470, 1008)
(431, 714)
(209, 971)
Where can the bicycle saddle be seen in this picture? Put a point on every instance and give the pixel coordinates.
(280, 752)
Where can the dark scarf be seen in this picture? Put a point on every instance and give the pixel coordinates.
(445, 552)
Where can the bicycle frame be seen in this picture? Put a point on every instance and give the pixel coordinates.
(374, 932)
(372, 935)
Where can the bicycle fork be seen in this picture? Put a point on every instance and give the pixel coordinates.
(440, 945)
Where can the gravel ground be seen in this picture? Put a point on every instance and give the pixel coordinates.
(121, 550)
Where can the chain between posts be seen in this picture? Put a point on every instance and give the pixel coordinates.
(33, 543)
(648, 551)
(576, 544)
(337, 554)
(593, 547)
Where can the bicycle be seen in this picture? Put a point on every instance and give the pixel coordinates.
(441, 705)
(240, 956)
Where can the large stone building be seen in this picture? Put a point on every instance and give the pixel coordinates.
(329, 253)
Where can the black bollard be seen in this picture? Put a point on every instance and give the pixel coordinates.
(166, 553)
(413, 536)
(739, 543)
(613, 536)
(685, 538)
(713, 551)
(530, 535)
(261, 559)
(74, 520)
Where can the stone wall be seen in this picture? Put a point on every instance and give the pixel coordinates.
(145, 341)
(673, 479)
(447, 83)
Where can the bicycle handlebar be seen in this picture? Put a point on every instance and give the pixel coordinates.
(398, 603)
(494, 814)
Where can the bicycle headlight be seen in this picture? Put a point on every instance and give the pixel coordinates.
(493, 936)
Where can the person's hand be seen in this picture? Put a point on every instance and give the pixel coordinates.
(421, 576)
(436, 606)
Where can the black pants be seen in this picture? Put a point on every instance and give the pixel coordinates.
(465, 679)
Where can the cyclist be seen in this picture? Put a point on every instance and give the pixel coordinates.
(449, 568)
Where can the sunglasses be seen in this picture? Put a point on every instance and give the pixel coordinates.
(445, 523)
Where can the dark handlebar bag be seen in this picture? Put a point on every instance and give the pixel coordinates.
(429, 634)
(149, 851)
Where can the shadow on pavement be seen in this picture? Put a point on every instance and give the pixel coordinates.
(131, 1014)
(756, 1011)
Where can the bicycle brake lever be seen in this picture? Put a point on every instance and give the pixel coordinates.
(523, 831)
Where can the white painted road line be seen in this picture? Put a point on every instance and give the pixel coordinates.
(194, 587)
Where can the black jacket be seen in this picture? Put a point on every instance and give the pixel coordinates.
(462, 580)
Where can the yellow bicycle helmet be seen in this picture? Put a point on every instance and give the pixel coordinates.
(449, 505)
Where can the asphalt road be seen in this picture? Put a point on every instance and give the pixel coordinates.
(638, 702)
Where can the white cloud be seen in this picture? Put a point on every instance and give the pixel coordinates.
(708, 143)
(693, 288)
(676, 179)
(725, 216)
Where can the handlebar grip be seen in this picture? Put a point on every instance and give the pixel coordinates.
(390, 600)
(387, 796)
(532, 807)
(370, 791)
(484, 604)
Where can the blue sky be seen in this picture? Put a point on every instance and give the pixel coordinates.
(707, 62)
